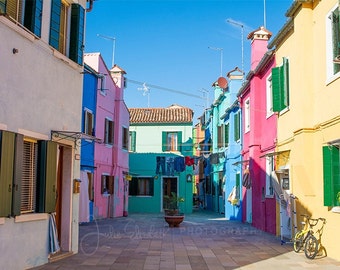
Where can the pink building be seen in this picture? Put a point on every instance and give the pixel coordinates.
(259, 136)
(111, 126)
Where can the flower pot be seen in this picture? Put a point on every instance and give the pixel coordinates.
(174, 221)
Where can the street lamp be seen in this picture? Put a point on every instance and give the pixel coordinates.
(221, 55)
(242, 33)
(113, 39)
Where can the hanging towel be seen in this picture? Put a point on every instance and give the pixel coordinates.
(54, 243)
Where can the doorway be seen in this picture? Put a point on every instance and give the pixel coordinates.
(170, 184)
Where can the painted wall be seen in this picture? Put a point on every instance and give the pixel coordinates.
(111, 160)
(41, 91)
(144, 164)
(313, 116)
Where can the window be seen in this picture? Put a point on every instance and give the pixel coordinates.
(108, 132)
(91, 186)
(332, 41)
(269, 96)
(61, 35)
(237, 122)
(171, 141)
(107, 184)
(88, 122)
(280, 86)
(269, 170)
(125, 139)
(132, 141)
(26, 12)
(102, 82)
(141, 186)
(28, 175)
(247, 116)
(331, 174)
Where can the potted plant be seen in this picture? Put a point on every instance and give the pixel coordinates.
(172, 213)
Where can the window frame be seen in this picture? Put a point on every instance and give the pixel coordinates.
(269, 96)
(108, 131)
(270, 167)
(125, 138)
(175, 143)
(148, 186)
(333, 69)
(88, 121)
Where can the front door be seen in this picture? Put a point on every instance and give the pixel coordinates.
(169, 185)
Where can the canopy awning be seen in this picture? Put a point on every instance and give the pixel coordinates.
(75, 135)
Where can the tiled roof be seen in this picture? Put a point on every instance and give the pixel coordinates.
(172, 114)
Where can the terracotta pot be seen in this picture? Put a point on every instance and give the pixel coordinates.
(174, 221)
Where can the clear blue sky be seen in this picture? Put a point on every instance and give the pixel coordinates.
(165, 44)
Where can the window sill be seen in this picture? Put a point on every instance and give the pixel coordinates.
(31, 217)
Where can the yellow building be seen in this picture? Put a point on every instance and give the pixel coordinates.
(308, 107)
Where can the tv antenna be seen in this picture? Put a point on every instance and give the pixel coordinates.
(146, 92)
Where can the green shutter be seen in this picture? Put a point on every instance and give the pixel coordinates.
(179, 141)
(77, 33)
(55, 23)
(2, 6)
(164, 141)
(7, 140)
(226, 134)
(237, 126)
(19, 151)
(331, 176)
(285, 83)
(276, 89)
(33, 15)
(47, 176)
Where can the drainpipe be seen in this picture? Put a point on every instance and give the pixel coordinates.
(90, 6)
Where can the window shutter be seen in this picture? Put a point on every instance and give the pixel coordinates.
(330, 174)
(151, 186)
(55, 23)
(77, 33)
(47, 176)
(33, 15)
(237, 126)
(276, 88)
(2, 6)
(164, 141)
(111, 184)
(19, 155)
(7, 140)
(11, 8)
(226, 134)
(133, 141)
(285, 83)
(179, 141)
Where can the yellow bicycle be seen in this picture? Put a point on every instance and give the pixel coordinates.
(305, 237)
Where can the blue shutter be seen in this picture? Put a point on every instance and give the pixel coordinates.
(77, 33)
(55, 23)
(2, 6)
(33, 15)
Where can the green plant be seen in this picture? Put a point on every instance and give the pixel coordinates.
(172, 202)
(338, 197)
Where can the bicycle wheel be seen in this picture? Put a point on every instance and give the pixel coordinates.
(298, 241)
(311, 247)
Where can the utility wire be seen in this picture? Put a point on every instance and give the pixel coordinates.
(164, 88)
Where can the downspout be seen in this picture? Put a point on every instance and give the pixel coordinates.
(89, 9)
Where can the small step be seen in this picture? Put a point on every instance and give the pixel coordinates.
(59, 256)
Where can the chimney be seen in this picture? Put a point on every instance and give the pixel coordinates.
(259, 42)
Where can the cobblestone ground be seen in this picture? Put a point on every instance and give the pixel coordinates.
(203, 241)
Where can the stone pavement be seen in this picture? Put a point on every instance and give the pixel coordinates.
(204, 240)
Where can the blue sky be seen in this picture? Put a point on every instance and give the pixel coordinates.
(165, 44)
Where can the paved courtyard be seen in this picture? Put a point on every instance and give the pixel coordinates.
(203, 241)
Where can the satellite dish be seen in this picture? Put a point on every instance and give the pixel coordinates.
(222, 82)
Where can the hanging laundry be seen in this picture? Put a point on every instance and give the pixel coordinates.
(170, 166)
(160, 165)
(189, 161)
(179, 164)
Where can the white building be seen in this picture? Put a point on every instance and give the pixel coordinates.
(40, 121)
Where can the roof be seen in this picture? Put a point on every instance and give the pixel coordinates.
(171, 114)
